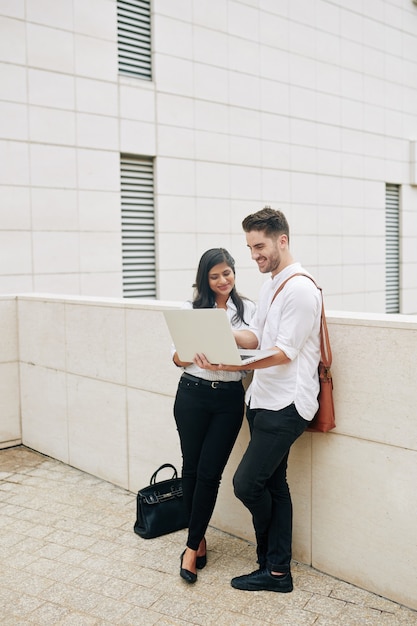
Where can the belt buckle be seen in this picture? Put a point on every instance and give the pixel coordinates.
(215, 384)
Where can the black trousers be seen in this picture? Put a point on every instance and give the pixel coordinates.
(208, 421)
(261, 484)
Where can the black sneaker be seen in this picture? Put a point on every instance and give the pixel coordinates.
(262, 580)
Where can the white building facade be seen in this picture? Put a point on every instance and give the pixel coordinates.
(119, 167)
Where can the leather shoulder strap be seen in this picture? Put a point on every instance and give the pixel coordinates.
(325, 349)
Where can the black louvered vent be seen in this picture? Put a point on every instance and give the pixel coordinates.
(134, 37)
(392, 248)
(138, 227)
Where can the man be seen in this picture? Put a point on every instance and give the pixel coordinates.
(282, 398)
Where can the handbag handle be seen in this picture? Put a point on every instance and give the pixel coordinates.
(325, 349)
(174, 475)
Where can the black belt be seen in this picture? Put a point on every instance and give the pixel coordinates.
(214, 384)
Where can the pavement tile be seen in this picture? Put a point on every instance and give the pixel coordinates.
(70, 558)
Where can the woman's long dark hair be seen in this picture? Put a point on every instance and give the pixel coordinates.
(204, 297)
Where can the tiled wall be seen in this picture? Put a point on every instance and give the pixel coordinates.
(96, 391)
(10, 425)
(305, 105)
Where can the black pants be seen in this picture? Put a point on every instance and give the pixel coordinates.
(208, 421)
(261, 484)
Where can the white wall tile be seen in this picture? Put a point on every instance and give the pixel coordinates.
(96, 96)
(245, 151)
(303, 102)
(97, 131)
(149, 329)
(13, 8)
(243, 21)
(97, 428)
(210, 212)
(181, 9)
(245, 122)
(244, 90)
(49, 48)
(108, 284)
(16, 283)
(10, 429)
(383, 495)
(275, 186)
(53, 166)
(176, 176)
(212, 180)
(137, 103)
(330, 248)
(15, 252)
(277, 65)
(96, 18)
(302, 70)
(144, 456)
(44, 415)
(185, 247)
(13, 83)
(175, 142)
(12, 41)
(54, 209)
(172, 36)
(14, 157)
(212, 116)
(8, 330)
(329, 162)
(174, 110)
(246, 56)
(275, 155)
(42, 333)
(55, 13)
(210, 46)
(51, 89)
(329, 192)
(55, 252)
(245, 182)
(98, 170)
(176, 214)
(52, 126)
(211, 83)
(210, 146)
(95, 58)
(273, 30)
(137, 137)
(99, 210)
(95, 342)
(15, 208)
(175, 76)
(100, 252)
(210, 13)
(304, 188)
(275, 127)
(67, 284)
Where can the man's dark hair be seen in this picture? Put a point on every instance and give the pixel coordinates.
(273, 223)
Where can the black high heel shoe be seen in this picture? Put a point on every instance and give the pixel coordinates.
(188, 576)
(202, 560)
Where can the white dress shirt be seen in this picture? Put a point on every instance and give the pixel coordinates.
(291, 323)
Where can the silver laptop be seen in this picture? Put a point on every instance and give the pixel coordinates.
(208, 331)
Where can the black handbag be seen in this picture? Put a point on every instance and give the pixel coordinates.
(160, 507)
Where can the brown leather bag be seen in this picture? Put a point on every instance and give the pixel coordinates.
(324, 419)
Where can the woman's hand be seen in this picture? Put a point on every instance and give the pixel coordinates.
(202, 362)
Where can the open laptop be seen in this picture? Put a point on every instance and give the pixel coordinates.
(208, 331)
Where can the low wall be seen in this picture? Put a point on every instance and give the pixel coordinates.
(90, 382)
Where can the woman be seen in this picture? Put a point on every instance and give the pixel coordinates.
(208, 417)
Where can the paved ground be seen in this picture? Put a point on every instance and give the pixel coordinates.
(69, 556)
